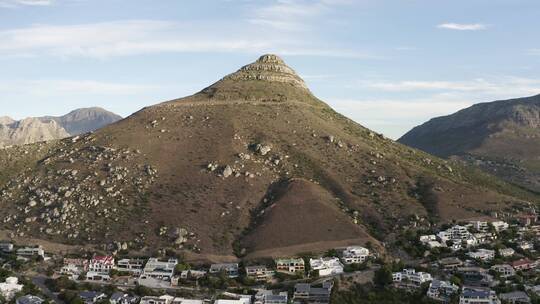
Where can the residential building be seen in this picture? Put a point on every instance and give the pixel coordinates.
(326, 266)
(290, 265)
(482, 254)
(523, 264)
(504, 270)
(450, 263)
(410, 276)
(6, 247)
(97, 276)
(231, 269)
(476, 277)
(91, 297)
(304, 292)
(458, 235)
(526, 245)
(74, 267)
(134, 266)
(355, 255)
(29, 299)
(10, 287)
(500, 225)
(506, 252)
(424, 239)
(441, 290)
(479, 225)
(515, 297)
(161, 270)
(478, 296)
(269, 297)
(259, 272)
(123, 298)
(527, 219)
(101, 264)
(31, 251)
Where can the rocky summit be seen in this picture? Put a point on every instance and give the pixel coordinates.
(501, 137)
(253, 165)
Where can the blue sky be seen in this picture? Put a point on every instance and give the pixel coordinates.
(388, 64)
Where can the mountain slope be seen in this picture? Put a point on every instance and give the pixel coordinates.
(218, 172)
(502, 137)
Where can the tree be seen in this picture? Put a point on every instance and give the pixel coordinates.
(383, 277)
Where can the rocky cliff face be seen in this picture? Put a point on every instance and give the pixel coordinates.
(502, 137)
(30, 130)
(38, 129)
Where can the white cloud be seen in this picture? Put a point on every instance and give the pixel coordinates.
(463, 26)
(133, 37)
(15, 3)
(534, 52)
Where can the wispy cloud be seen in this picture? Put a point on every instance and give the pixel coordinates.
(16, 3)
(534, 52)
(133, 37)
(463, 26)
(293, 15)
(42, 88)
(494, 86)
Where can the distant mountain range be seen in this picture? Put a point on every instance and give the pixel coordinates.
(36, 129)
(501, 137)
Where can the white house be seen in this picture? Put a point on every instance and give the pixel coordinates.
(355, 255)
(410, 275)
(10, 287)
(31, 251)
(506, 252)
(505, 270)
(458, 235)
(101, 264)
(134, 266)
(326, 266)
(482, 254)
(159, 270)
(500, 226)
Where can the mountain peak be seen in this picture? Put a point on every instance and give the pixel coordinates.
(268, 79)
(269, 68)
